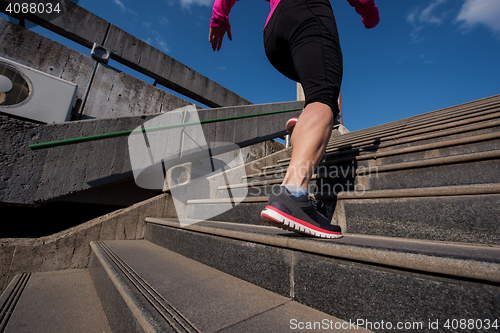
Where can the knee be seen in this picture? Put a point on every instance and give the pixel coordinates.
(317, 112)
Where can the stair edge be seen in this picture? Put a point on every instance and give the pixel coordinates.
(463, 268)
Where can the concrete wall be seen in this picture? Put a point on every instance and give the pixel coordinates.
(34, 177)
(105, 93)
(86, 28)
(109, 101)
(109, 97)
(71, 248)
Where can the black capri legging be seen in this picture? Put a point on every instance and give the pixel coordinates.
(301, 41)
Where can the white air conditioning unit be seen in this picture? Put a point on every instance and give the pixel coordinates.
(28, 93)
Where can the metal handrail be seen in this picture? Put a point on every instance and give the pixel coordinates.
(65, 142)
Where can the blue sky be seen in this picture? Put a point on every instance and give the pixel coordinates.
(424, 55)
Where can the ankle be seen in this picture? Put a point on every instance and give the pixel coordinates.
(297, 191)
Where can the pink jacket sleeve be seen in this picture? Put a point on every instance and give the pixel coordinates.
(368, 11)
(220, 13)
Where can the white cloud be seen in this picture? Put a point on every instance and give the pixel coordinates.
(426, 60)
(428, 14)
(188, 3)
(411, 60)
(123, 8)
(403, 59)
(481, 12)
(164, 21)
(155, 39)
(160, 42)
(119, 3)
(419, 18)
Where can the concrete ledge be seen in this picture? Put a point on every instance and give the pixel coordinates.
(124, 301)
(438, 191)
(103, 91)
(57, 301)
(453, 259)
(31, 49)
(71, 248)
(349, 278)
(466, 214)
(136, 54)
(361, 147)
(77, 24)
(429, 175)
(86, 28)
(454, 218)
(145, 287)
(413, 149)
(99, 163)
(353, 170)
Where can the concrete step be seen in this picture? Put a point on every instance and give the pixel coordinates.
(375, 138)
(463, 213)
(146, 287)
(464, 169)
(476, 141)
(490, 125)
(460, 169)
(247, 211)
(441, 168)
(353, 278)
(460, 115)
(474, 144)
(57, 301)
(411, 131)
(468, 213)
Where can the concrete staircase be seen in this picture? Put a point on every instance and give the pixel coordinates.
(144, 287)
(420, 209)
(434, 176)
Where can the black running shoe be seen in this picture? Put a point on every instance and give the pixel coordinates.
(298, 214)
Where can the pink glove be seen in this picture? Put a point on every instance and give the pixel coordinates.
(220, 13)
(368, 11)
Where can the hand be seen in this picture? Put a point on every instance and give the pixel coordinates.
(216, 35)
(368, 11)
(370, 16)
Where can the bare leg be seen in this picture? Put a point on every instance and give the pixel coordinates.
(309, 139)
(292, 209)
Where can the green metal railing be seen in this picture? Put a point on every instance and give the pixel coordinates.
(104, 136)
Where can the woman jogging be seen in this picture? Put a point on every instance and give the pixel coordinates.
(301, 41)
